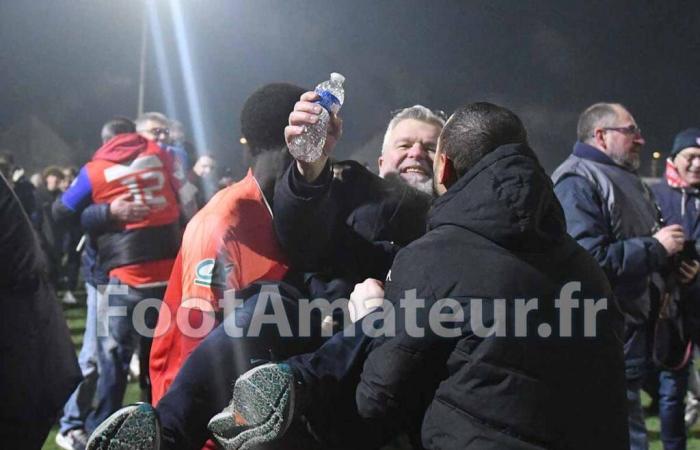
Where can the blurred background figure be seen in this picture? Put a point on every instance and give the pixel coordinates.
(204, 176)
(50, 233)
(227, 178)
(69, 174)
(14, 175)
(154, 126)
(37, 180)
(71, 233)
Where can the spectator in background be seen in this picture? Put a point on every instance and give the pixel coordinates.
(204, 177)
(70, 254)
(69, 174)
(138, 256)
(179, 146)
(611, 213)
(37, 180)
(226, 179)
(154, 126)
(50, 231)
(24, 190)
(678, 196)
(74, 430)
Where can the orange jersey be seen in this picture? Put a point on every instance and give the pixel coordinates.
(229, 243)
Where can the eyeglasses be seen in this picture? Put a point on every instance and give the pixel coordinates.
(632, 130)
(438, 112)
(159, 131)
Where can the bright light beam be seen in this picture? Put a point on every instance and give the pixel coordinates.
(188, 76)
(166, 81)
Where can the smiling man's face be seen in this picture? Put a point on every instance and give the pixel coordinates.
(410, 151)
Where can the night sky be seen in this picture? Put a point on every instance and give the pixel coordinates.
(74, 64)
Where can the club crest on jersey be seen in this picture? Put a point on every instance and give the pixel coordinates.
(204, 272)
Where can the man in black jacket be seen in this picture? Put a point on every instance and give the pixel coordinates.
(501, 376)
(38, 368)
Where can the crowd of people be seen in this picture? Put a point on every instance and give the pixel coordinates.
(461, 298)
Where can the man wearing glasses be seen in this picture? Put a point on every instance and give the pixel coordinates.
(611, 213)
(154, 126)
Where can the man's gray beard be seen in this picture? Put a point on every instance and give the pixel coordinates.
(424, 186)
(629, 161)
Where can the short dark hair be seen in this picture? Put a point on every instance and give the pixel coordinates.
(265, 114)
(53, 170)
(115, 126)
(477, 129)
(594, 116)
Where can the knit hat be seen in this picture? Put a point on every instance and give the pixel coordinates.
(684, 139)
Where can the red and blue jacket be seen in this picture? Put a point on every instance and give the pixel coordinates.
(139, 253)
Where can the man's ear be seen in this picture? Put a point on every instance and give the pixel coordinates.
(448, 174)
(599, 137)
(380, 160)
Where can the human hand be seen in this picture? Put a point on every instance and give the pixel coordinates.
(671, 237)
(688, 270)
(366, 296)
(125, 209)
(306, 113)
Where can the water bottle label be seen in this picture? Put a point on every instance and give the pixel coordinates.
(328, 101)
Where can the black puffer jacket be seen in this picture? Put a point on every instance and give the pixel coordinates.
(348, 224)
(38, 367)
(499, 233)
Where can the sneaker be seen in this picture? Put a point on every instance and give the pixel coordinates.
(75, 439)
(134, 427)
(692, 405)
(260, 411)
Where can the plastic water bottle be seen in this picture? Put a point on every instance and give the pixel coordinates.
(308, 147)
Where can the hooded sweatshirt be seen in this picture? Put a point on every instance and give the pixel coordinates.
(141, 253)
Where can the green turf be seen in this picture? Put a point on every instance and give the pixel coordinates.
(75, 316)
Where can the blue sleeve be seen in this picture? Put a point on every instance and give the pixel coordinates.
(75, 199)
(587, 223)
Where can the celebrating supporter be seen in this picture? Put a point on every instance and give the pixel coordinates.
(137, 255)
(73, 431)
(496, 208)
(391, 205)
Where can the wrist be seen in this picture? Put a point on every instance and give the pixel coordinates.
(312, 170)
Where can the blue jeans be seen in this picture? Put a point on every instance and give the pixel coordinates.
(672, 388)
(117, 338)
(79, 404)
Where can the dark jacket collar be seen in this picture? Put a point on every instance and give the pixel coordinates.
(507, 198)
(591, 153)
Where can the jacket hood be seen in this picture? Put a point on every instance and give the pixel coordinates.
(122, 148)
(507, 198)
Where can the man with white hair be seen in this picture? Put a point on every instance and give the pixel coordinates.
(154, 126)
(409, 146)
